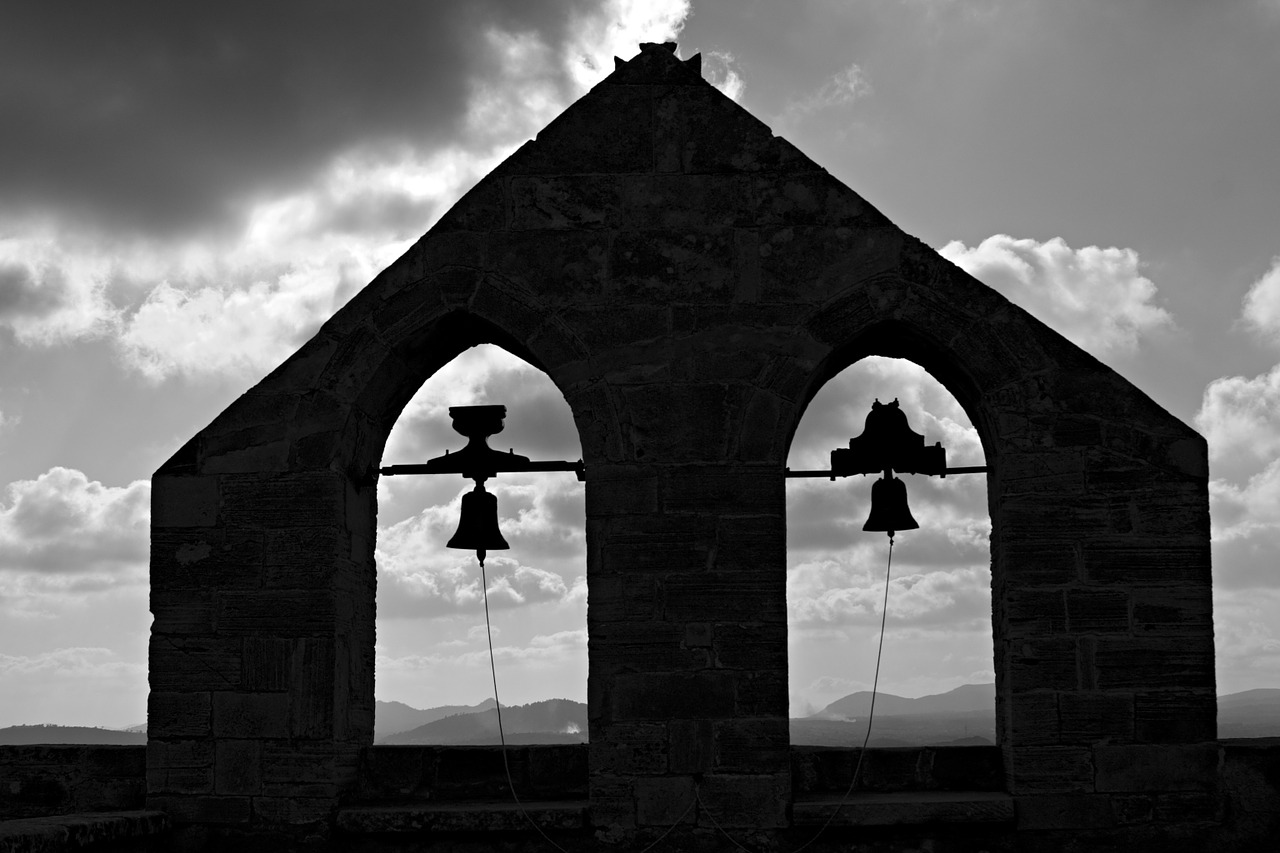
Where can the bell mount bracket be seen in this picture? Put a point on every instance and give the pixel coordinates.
(887, 444)
(478, 461)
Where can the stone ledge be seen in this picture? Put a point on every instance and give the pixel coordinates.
(78, 831)
(904, 808)
(463, 817)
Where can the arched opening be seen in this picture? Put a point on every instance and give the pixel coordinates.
(938, 636)
(432, 669)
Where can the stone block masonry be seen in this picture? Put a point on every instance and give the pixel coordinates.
(689, 281)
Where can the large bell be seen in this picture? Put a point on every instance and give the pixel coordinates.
(478, 524)
(889, 510)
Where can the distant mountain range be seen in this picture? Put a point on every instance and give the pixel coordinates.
(31, 735)
(965, 715)
(1253, 713)
(549, 721)
(967, 697)
(391, 718)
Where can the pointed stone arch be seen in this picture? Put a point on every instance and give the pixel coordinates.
(688, 280)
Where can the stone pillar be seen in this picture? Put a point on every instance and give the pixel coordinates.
(1103, 616)
(687, 624)
(262, 590)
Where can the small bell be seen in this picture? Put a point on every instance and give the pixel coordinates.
(478, 524)
(889, 510)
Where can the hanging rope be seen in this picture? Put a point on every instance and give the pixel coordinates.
(875, 681)
(493, 670)
(884, 612)
(697, 798)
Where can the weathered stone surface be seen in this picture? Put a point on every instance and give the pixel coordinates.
(1157, 767)
(79, 831)
(250, 715)
(1052, 769)
(689, 281)
(1045, 664)
(665, 800)
(1175, 716)
(744, 800)
(631, 748)
(203, 809)
(1034, 718)
(1088, 717)
(1065, 811)
(664, 695)
(462, 817)
(184, 501)
(905, 808)
(746, 746)
(238, 767)
(1098, 610)
(181, 664)
(1154, 662)
(176, 715)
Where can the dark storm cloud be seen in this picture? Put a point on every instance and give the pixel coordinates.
(164, 117)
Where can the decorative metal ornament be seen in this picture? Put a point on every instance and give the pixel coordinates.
(888, 444)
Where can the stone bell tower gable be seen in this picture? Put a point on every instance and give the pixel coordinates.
(688, 280)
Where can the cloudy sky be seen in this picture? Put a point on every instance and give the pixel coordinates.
(188, 191)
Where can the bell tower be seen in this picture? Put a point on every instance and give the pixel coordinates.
(688, 280)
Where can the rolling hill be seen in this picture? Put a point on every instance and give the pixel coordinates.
(391, 718)
(961, 700)
(31, 735)
(963, 715)
(548, 721)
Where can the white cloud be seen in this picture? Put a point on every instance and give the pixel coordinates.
(1246, 638)
(840, 592)
(1246, 530)
(49, 295)
(719, 68)
(1098, 298)
(52, 686)
(839, 411)
(8, 421)
(240, 303)
(539, 667)
(74, 533)
(617, 28)
(840, 89)
(419, 577)
(1242, 511)
(1261, 311)
(221, 330)
(79, 662)
(1240, 418)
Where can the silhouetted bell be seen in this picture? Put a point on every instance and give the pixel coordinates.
(478, 524)
(889, 510)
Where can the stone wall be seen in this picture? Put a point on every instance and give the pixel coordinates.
(37, 781)
(688, 281)
(1240, 813)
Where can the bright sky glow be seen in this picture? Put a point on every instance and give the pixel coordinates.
(167, 238)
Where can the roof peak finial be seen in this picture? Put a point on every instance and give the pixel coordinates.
(658, 63)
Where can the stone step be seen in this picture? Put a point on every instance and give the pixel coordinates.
(78, 831)
(904, 808)
(490, 815)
